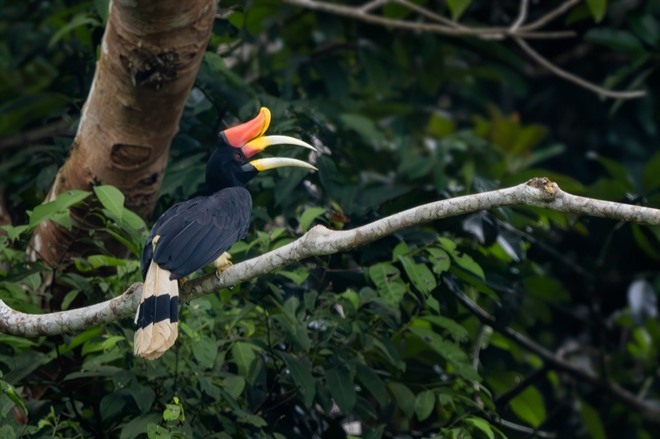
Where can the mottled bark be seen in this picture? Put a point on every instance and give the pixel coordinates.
(150, 55)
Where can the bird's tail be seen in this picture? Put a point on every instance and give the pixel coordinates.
(157, 316)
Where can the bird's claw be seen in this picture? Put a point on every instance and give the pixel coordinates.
(222, 263)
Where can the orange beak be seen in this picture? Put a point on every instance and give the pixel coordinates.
(249, 136)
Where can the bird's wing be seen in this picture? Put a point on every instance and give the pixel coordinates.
(194, 233)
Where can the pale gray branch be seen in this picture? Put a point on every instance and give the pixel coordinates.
(518, 31)
(321, 241)
(576, 79)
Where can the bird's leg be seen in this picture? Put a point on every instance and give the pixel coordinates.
(222, 263)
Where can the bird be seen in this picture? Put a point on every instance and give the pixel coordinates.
(198, 232)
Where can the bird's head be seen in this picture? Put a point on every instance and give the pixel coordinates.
(230, 163)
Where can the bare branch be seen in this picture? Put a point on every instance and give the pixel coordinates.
(576, 79)
(429, 14)
(522, 16)
(518, 31)
(559, 10)
(650, 411)
(321, 241)
(372, 5)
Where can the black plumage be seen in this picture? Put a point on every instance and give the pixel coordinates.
(194, 233)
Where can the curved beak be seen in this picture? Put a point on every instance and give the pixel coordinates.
(260, 143)
(249, 136)
(279, 162)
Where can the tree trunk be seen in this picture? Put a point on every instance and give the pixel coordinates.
(150, 55)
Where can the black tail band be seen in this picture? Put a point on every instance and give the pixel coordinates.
(157, 308)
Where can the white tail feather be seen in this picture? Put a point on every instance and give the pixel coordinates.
(156, 331)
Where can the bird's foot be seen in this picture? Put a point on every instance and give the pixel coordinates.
(222, 263)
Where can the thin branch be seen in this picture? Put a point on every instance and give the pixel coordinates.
(372, 5)
(532, 432)
(522, 16)
(559, 10)
(518, 31)
(321, 241)
(650, 411)
(430, 14)
(576, 79)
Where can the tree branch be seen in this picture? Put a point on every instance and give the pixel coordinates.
(649, 410)
(321, 241)
(518, 31)
(558, 71)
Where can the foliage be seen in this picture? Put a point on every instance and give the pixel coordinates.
(375, 337)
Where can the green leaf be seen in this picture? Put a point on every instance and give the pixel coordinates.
(440, 259)
(13, 232)
(546, 288)
(143, 396)
(457, 7)
(456, 330)
(448, 350)
(387, 279)
(372, 382)
(364, 127)
(616, 40)
(298, 276)
(644, 237)
(69, 298)
(112, 199)
(234, 385)
(244, 355)
(419, 275)
(138, 425)
(651, 174)
(57, 210)
(302, 377)
(12, 394)
(529, 406)
(482, 425)
(174, 411)
(155, 431)
(112, 405)
(591, 420)
(404, 397)
(253, 420)
(597, 8)
(309, 215)
(424, 404)
(79, 20)
(340, 384)
(205, 351)
(468, 264)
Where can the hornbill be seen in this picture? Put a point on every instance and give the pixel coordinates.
(198, 232)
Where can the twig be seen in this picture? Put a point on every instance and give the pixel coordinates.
(430, 14)
(650, 411)
(559, 10)
(532, 432)
(576, 79)
(522, 16)
(372, 5)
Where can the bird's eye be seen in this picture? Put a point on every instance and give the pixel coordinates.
(237, 156)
